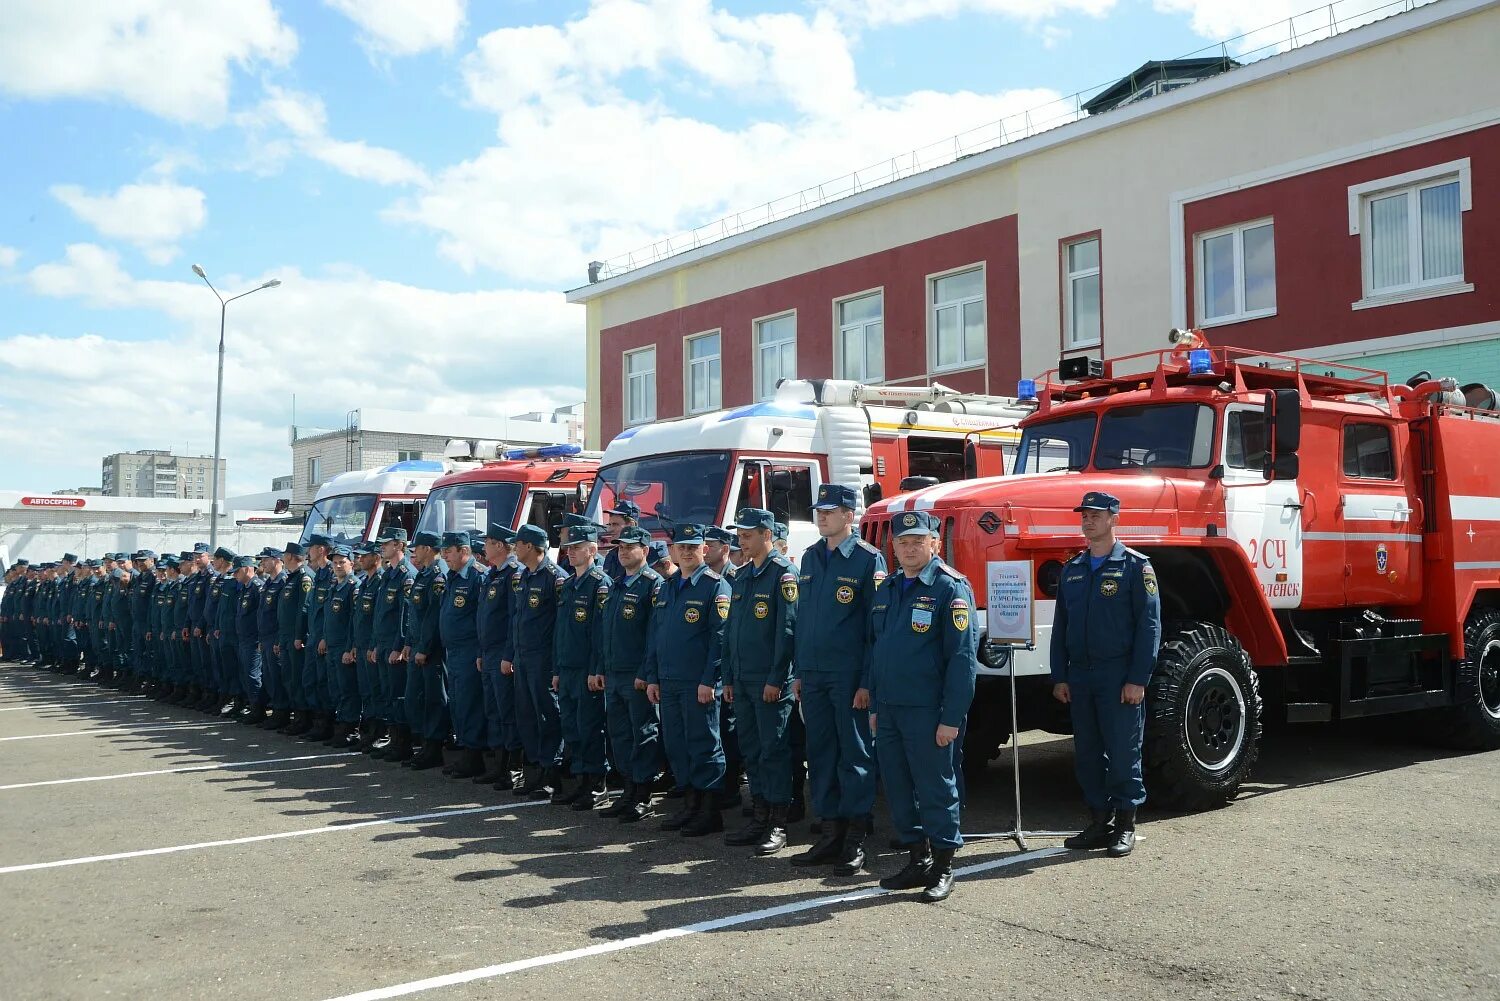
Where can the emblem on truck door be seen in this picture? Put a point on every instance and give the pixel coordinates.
(1382, 558)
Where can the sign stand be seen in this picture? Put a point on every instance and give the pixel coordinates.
(1011, 626)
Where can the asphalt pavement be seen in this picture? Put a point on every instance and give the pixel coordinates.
(150, 852)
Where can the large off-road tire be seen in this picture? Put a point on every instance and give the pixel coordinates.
(1473, 724)
(1203, 711)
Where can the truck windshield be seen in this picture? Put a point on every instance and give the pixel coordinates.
(468, 507)
(1055, 445)
(343, 519)
(686, 487)
(1160, 435)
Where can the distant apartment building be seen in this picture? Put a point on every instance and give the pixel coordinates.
(161, 475)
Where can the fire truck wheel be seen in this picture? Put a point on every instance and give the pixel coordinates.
(1474, 724)
(1203, 714)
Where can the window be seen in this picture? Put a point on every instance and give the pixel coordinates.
(775, 352)
(679, 487)
(1245, 440)
(1056, 445)
(1081, 318)
(1237, 273)
(958, 319)
(703, 384)
(791, 493)
(860, 349)
(314, 470)
(408, 456)
(640, 386)
(1412, 236)
(1367, 452)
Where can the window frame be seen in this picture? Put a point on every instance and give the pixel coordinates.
(1066, 278)
(1390, 439)
(1200, 300)
(756, 326)
(314, 470)
(626, 375)
(932, 279)
(838, 335)
(689, 363)
(1411, 183)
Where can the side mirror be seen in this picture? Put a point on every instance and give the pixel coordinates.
(1284, 467)
(1283, 418)
(872, 493)
(971, 459)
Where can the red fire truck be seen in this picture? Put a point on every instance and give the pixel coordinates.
(527, 485)
(1327, 544)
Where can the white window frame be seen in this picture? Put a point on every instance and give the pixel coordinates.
(932, 308)
(1360, 197)
(838, 335)
(314, 470)
(756, 325)
(1240, 314)
(408, 454)
(1069, 277)
(689, 363)
(626, 375)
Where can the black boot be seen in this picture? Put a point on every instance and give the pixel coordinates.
(298, 723)
(940, 880)
(383, 739)
(369, 732)
(532, 779)
(852, 852)
(917, 872)
(592, 791)
(400, 747)
(509, 761)
(775, 836)
(1123, 841)
(827, 848)
(431, 756)
(278, 721)
(752, 832)
(691, 800)
(639, 807)
(548, 779)
(232, 710)
(470, 764)
(491, 773)
(322, 730)
(708, 820)
(1099, 834)
(339, 736)
(621, 802)
(566, 789)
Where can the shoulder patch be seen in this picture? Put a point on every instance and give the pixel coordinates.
(789, 587)
(1137, 554)
(952, 572)
(711, 574)
(862, 544)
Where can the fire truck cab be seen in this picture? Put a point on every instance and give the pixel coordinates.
(1326, 543)
(775, 454)
(537, 486)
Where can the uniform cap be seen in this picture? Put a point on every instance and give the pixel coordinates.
(634, 535)
(243, 562)
(914, 523)
(754, 517)
(226, 554)
(294, 549)
(458, 539)
(832, 495)
(658, 553)
(393, 535)
(501, 533)
(625, 509)
(532, 534)
(343, 551)
(581, 533)
(270, 553)
(69, 558)
(427, 539)
(318, 539)
(200, 547)
(687, 535)
(1098, 500)
(780, 531)
(713, 533)
(145, 554)
(116, 574)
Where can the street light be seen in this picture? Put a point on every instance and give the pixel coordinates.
(213, 523)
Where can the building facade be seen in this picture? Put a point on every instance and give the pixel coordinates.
(1340, 199)
(161, 475)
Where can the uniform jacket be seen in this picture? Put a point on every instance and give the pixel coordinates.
(534, 615)
(687, 629)
(625, 626)
(1107, 619)
(576, 633)
(762, 621)
(923, 650)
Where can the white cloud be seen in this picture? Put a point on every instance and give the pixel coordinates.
(404, 27)
(882, 13)
(339, 340)
(173, 58)
(153, 217)
(304, 120)
(9, 256)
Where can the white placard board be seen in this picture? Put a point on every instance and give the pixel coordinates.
(1009, 604)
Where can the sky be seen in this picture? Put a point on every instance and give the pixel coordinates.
(426, 177)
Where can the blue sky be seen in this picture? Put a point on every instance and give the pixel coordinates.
(426, 176)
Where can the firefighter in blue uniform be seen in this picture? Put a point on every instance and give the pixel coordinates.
(838, 576)
(274, 706)
(367, 561)
(923, 659)
(386, 635)
(682, 675)
(142, 601)
(338, 627)
(633, 722)
(529, 655)
(718, 543)
(758, 677)
(291, 640)
(426, 698)
(221, 610)
(1105, 634)
(459, 629)
(580, 689)
(247, 635)
(493, 621)
(625, 514)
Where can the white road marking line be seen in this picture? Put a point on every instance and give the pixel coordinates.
(216, 766)
(115, 729)
(67, 705)
(352, 826)
(651, 938)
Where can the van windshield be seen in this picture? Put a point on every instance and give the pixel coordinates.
(682, 488)
(470, 507)
(343, 519)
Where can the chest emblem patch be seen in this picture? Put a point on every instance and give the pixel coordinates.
(690, 615)
(581, 613)
(1109, 587)
(921, 620)
(534, 599)
(459, 601)
(762, 609)
(628, 611)
(844, 595)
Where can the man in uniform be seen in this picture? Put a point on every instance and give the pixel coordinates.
(625, 514)
(459, 630)
(758, 677)
(267, 635)
(496, 602)
(624, 630)
(682, 675)
(529, 657)
(923, 659)
(718, 543)
(247, 635)
(389, 649)
(1105, 635)
(838, 577)
(338, 641)
(222, 611)
(291, 641)
(426, 700)
(580, 688)
(142, 603)
(197, 592)
(317, 679)
(363, 642)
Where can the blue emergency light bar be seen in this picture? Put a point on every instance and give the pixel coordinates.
(543, 452)
(1200, 362)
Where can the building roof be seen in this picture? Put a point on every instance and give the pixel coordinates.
(1182, 70)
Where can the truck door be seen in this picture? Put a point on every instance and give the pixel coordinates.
(786, 488)
(1265, 518)
(1381, 539)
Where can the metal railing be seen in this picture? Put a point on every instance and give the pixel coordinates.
(1311, 26)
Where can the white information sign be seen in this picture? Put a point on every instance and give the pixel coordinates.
(1008, 609)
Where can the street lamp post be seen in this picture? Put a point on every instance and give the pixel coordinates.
(213, 522)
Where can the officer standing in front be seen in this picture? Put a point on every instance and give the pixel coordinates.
(426, 697)
(580, 690)
(267, 631)
(496, 606)
(386, 636)
(247, 629)
(1105, 634)
(624, 631)
(291, 637)
(923, 659)
(459, 631)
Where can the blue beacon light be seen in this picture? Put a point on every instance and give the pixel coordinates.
(1200, 362)
(1026, 389)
